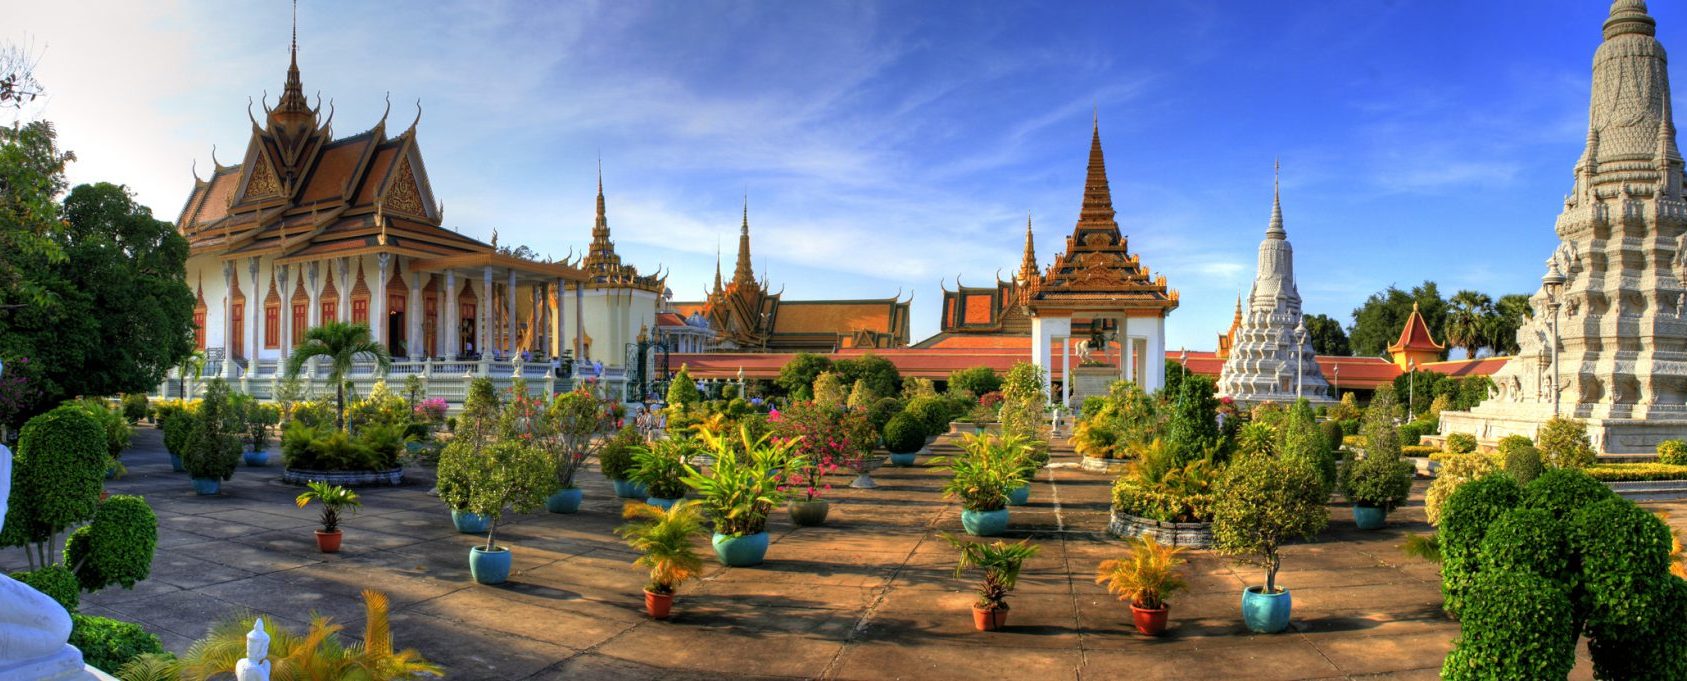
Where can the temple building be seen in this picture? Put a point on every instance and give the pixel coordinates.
(309, 228)
(1415, 346)
(1269, 356)
(1608, 340)
(615, 302)
(746, 316)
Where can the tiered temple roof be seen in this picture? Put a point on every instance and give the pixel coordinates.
(604, 266)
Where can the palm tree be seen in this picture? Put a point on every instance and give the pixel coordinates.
(1469, 321)
(341, 343)
(194, 363)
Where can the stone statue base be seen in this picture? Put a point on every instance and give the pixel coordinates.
(1092, 381)
(1610, 434)
(65, 665)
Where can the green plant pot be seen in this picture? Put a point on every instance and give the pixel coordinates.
(627, 489)
(470, 523)
(1020, 496)
(903, 460)
(809, 513)
(207, 486)
(1369, 517)
(489, 567)
(1266, 613)
(984, 523)
(744, 551)
(565, 500)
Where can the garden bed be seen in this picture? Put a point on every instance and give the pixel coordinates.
(1191, 535)
(388, 478)
(1096, 464)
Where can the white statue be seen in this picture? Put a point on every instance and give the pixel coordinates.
(255, 666)
(33, 628)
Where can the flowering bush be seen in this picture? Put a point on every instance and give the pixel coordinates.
(990, 400)
(839, 437)
(430, 410)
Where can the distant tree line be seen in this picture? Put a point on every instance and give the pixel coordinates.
(1469, 320)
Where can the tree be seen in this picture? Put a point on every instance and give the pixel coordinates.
(342, 344)
(18, 85)
(1509, 313)
(879, 373)
(829, 390)
(32, 171)
(1263, 503)
(1192, 428)
(797, 376)
(1377, 323)
(682, 392)
(976, 380)
(1327, 336)
(59, 470)
(1469, 321)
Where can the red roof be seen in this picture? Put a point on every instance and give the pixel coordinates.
(669, 319)
(1415, 336)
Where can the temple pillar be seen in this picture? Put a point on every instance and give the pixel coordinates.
(346, 284)
(255, 312)
(509, 315)
(313, 314)
(228, 318)
(448, 318)
(483, 314)
(1043, 332)
(286, 316)
(558, 322)
(413, 318)
(579, 320)
(1154, 363)
(378, 331)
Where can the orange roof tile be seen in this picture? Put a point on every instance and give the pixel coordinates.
(1415, 336)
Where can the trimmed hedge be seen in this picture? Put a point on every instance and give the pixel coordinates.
(932, 413)
(1623, 550)
(1461, 443)
(56, 581)
(904, 434)
(1673, 452)
(1523, 628)
(108, 644)
(1636, 472)
(1527, 540)
(1524, 464)
(1465, 520)
(57, 475)
(116, 548)
(1565, 492)
(1418, 450)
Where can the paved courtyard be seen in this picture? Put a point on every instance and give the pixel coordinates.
(869, 596)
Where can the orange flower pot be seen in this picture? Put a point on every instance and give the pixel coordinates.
(989, 620)
(1150, 621)
(328, 542)
(658, 605)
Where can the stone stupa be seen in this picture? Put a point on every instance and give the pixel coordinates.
(1271, 355)
(1621, 360)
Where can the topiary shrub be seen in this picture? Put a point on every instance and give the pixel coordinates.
(57, 475)
(1673, 452)
(1527, 540)
(904, 434)
(108, 644)
(178, 430)
(1623, 549)
(1523, 464)
(117, 547)
(1461, 443)
(57, 581)
(1464, 524)
(1654, 653)
(1412, 433)
(1377, 480)
(615, 458)
(135, 407)
(931, 414)
(976, 380)
(1332, 432)
(1564, 492)
(881, 411)
(213, 449)
(1455, 471)
(1523, 629)
(1564, 444)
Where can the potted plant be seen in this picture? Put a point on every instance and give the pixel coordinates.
(981, 476)
(1000, 562)
(1263, 502)
(455, 493)
(739, 491)
(615, 459)
(904, 438)
(259, 418)
(1030, 459)
(1144, 578)
(565, 427)
(809, 477)
(212, 451)
(1375, 484)
(662, 537)
(659, 467)
(506, 473)
(334, 499)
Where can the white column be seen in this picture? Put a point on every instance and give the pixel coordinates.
(313, 313)
(483, 312)
(378, 302)
(1065, 372)
(448, 317)
(559, 324)
(509, 315)
(1154, 364)
(256, 304)
(286, 316)
(1043, 331)
(579, 320)
(228, 319)
(346, 285)
(413, 318)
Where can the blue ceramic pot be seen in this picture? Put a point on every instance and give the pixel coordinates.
(1266, 613)
(903, 460)
(207, 486)
(743, 551)
(1020, 495)
(1369, 517)
(256, 458)
(984, 523)
(176, 464)
(565, 500)
(661, 503)
(627, 489)
(470, 523)
(489, 567)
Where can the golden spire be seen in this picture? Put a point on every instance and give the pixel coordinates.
(744, 274)
(717, 267)
(1028, 262)
(1097, 211)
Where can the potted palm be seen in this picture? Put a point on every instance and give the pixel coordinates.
(1376, 484)
(740, 490)
(1000, 562)
(659, 467)
(904, 438)
(333, 499)
(615, 459)
(981, 476)
(1263, 502)
(662, 537)
(1144, 578)
(504, 474)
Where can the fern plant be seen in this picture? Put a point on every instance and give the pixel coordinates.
(1146, 575)
(663, 539)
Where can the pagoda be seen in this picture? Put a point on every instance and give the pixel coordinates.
(1608, 340)
(1415, 346)
(1270, 356)
(615, 300)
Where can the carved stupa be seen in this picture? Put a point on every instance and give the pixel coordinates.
(1621, 334)
(1267, 360)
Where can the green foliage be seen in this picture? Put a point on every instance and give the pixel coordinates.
(904, 434)
(1635, 472)
(486, 480)
(479, 418)
(1376, 480)
(829, 390)
(1523, 463)
(136, 407)
(333, 498)
(259, 419)
(744, 484)
(57, 582)
(342, 344)
(117, 547)
(661, 467)
(318, 654)
(976, 380)
(213, 450)
(1654, 652)
(1522, 629)
(1327, 336)
(178, 431)
(1024, 402)
(1465, 519)
(1528, 540)
(918, 387)
(881, 411)
(109, 644)
(57, 475)
(1624, 551)
(1412, 433)
(988, 467)
(796, 378)
(1672, 452)
(1455, 471)
(860, 396)
(615, 458)
(1461, 443)
(1301, 440)
(1158, 488)
(1565, 492)
(1000, 562)
(663, 539)
(1564, 444)
(682, 391)
(326, 448)
(117, 430)
(880, 374)
(930, 413)
(1333, 434)
(1264, 502)
(1192, 427)
(1377, 322)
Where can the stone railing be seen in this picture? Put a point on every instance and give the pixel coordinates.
(440, 378)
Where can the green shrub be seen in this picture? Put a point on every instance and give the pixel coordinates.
(1522, 629)
(1412, 433)
(1465, 519)
(976, 380)
(1510, 442)
(1332, 433)
(615, 458)
(682, 391)
(904, 434)
(1672, 452)
(1635, 472)
(930, 412)
(1527, 540)
(108, 644)
(326, 448)
(57, 581)
(117, 547)
(1376, 480)
(1455, 471)
(1623, 548)
(882, 411)
(1091, 407)
(178, 431)
(135, 407)
(1564, 492)
(213, 450)
(1418, 451)
(1461, 443)
(117, 430)
(1264, 502)
(1523, 464)
(57, 475)
(1654, 654)
(1564, 444)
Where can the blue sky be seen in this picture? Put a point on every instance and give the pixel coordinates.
(893, 146)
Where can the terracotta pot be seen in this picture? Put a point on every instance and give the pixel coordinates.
(104, 495)
(658, 605)
(1150, 621)
(328, 542)
(989, 620)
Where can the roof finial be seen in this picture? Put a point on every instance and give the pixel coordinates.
(294, 49)
(1274, 230)
(1028, 262)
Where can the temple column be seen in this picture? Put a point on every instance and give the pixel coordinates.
(313, 314)
(346, 284)
(579, 320)
(448, 318)
(1154, 365)
(228, 318)
(509, 315)
(413, 318)
(256, 313)
(1043, 332)
(558, 323)
(286, 316)
(1065, 372)
(378, 302)
(483, 314)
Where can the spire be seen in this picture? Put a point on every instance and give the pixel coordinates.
(744, 274)
(1237, 321)
(1629, 17)
(600, 228)
(1275, 229)
(1028, 263)
(1095, 218)
(601, 259)
(293, 103)
(717, 267)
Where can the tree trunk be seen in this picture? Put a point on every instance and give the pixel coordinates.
(340, 404)
(491, 531)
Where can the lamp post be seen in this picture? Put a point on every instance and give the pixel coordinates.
(1553, 284)
(1183, 363)
(1337, 370)
(1411, 390)
(1300, 355)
